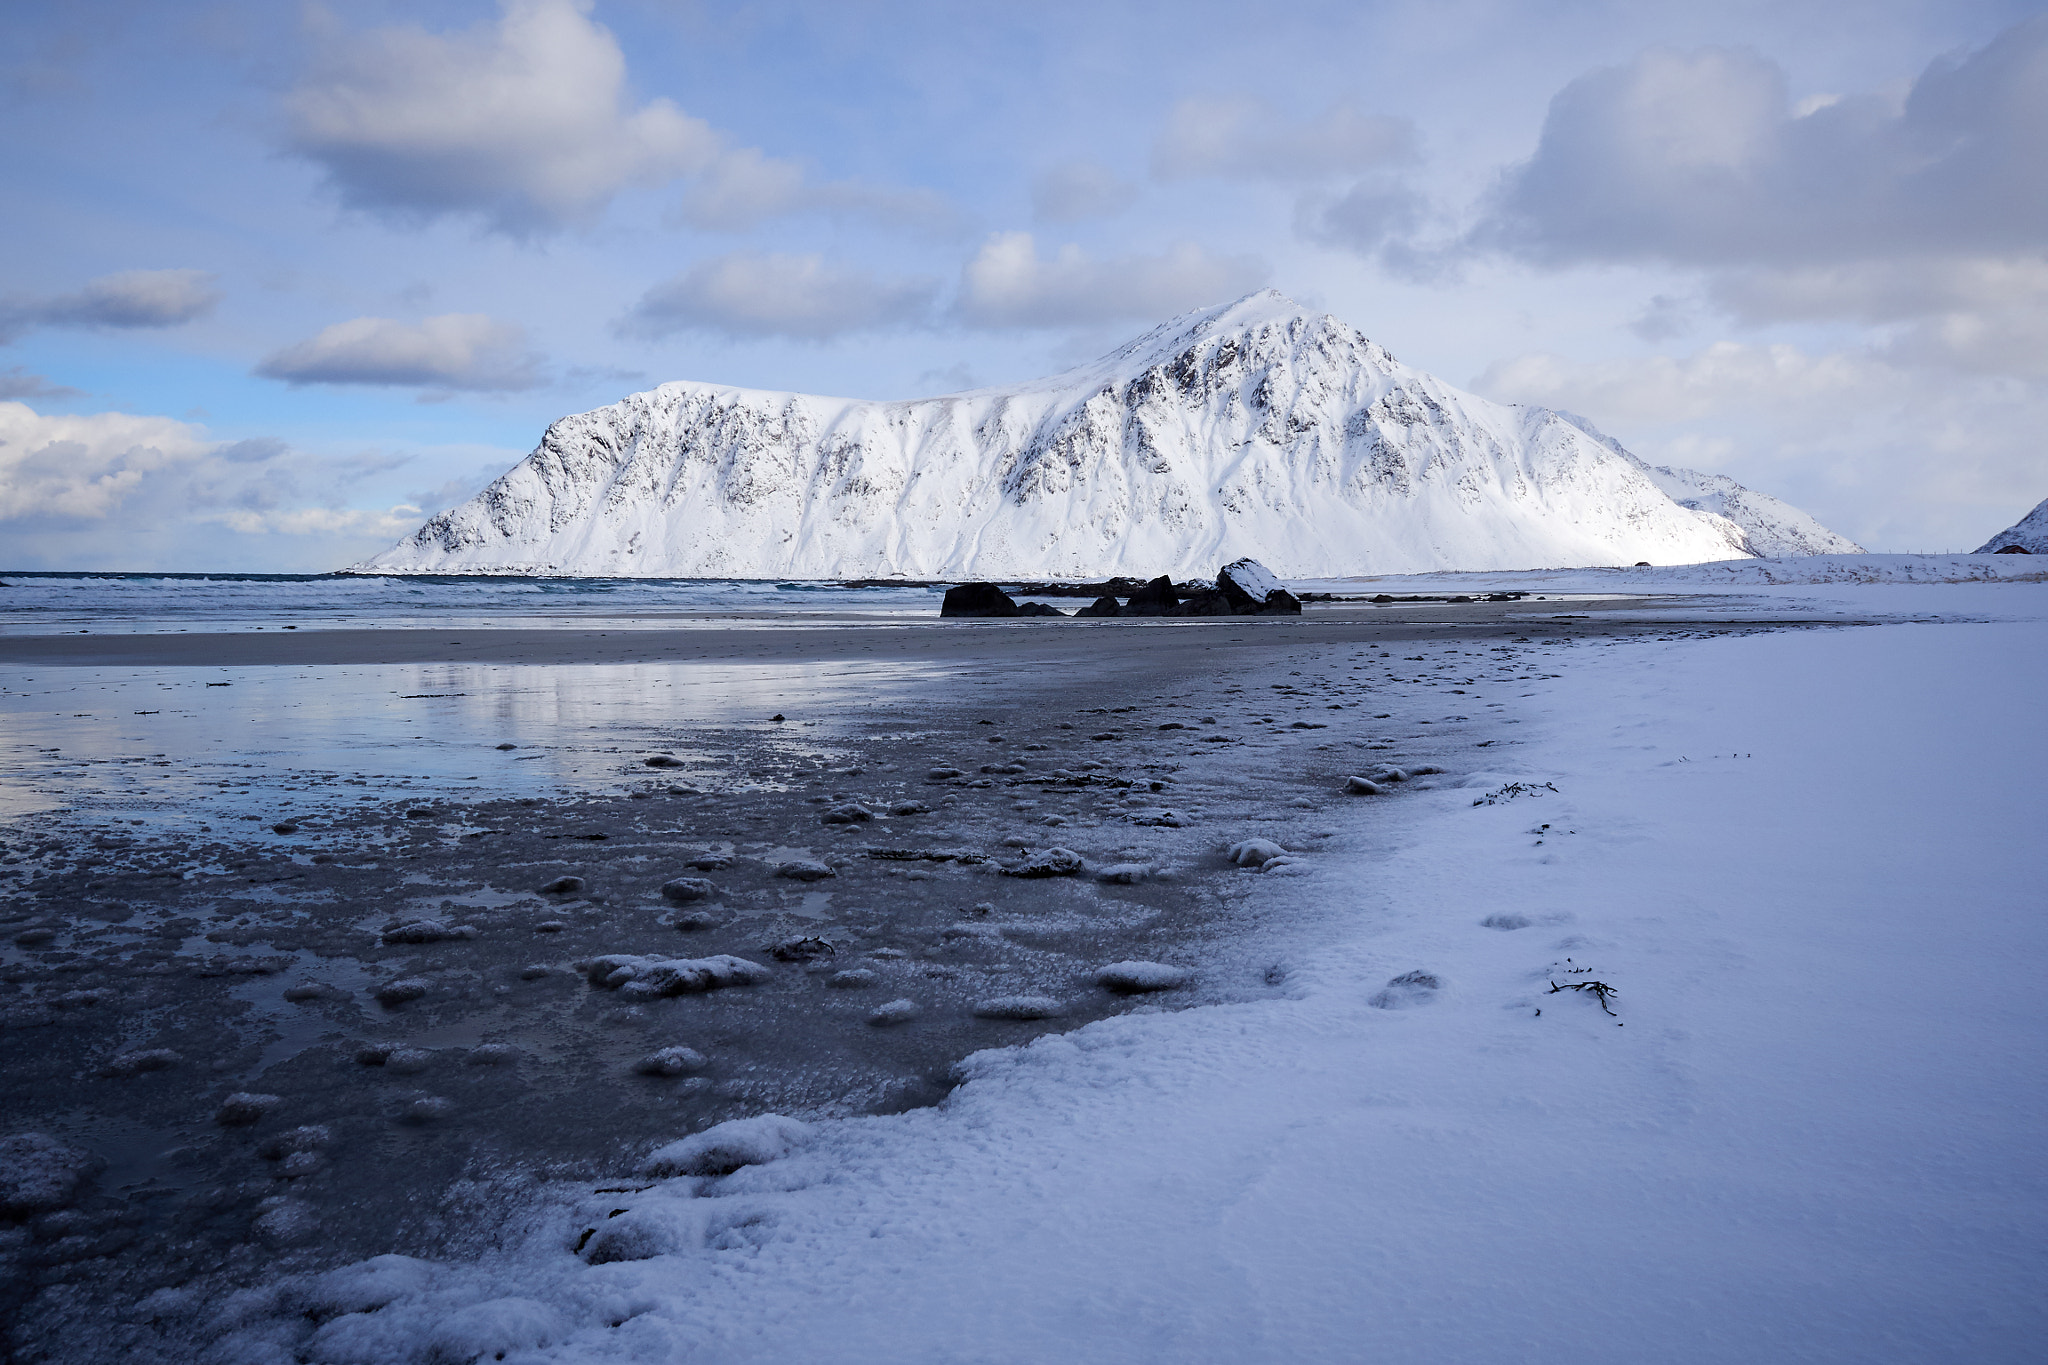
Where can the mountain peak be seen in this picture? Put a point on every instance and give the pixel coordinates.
(1256, 428)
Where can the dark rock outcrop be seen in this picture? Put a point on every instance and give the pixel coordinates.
(1252, 589)
(1103, 606)
(1038, 609)
(1157, 598)
(978, 599)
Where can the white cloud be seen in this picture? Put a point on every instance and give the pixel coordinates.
(452, 351)
(525, 121)
(127, 299)
(1077, 190)
(1702, 158)
(745, 188)
(1007, 284)
(1241, 138)
(84, 467)
(126, 490)
(528, 123)
(749, 294)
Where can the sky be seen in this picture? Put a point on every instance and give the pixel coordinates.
(278, 282)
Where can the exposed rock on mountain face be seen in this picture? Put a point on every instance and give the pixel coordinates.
(2029, 533)
(1254, 429)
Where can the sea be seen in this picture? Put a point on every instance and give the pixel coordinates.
(191, 747)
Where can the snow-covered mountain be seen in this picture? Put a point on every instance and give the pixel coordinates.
(2030, 533)
(1771, 527)
(1255, 429)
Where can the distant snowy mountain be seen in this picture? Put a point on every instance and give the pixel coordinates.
(1771, 528)
(2030, 533)
(1254, 429)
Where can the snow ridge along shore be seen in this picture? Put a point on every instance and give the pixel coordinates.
(1257, 429)
(1807, 1129)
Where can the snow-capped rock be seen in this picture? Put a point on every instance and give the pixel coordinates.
(1255, 429)
(2030, 533)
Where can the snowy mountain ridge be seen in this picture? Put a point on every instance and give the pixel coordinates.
(2030, 533)
(1257, 428)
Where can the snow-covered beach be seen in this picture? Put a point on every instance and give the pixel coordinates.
(1799, 858)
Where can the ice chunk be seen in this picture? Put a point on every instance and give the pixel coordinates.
(136, 1063)
(1048, 862)
(1253, 852)
(1363, 786)
(683, 890)
(725, 1147)
(1128, 874)
(671, 1061)
(804, 870)
(649, 976)
(401, 991)
(894, 1012)
(1129, 978)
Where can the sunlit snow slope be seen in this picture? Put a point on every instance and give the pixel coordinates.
(2030, 533)
(1258, 428)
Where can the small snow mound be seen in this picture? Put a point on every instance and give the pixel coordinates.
(1363, 786)
(652, 1227)
(494, 1329)
(645, 977)
(683, 890)
(1020, 1007)
(1048, 862)
(1131, 978)
(138, 1062)
(366, 1286)
(287, 1223)
(725, 1147)
(1406, 991)
(1253, 852)
(895, 1012)
(804, 870)
(671, 1061)
(1128, 874)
